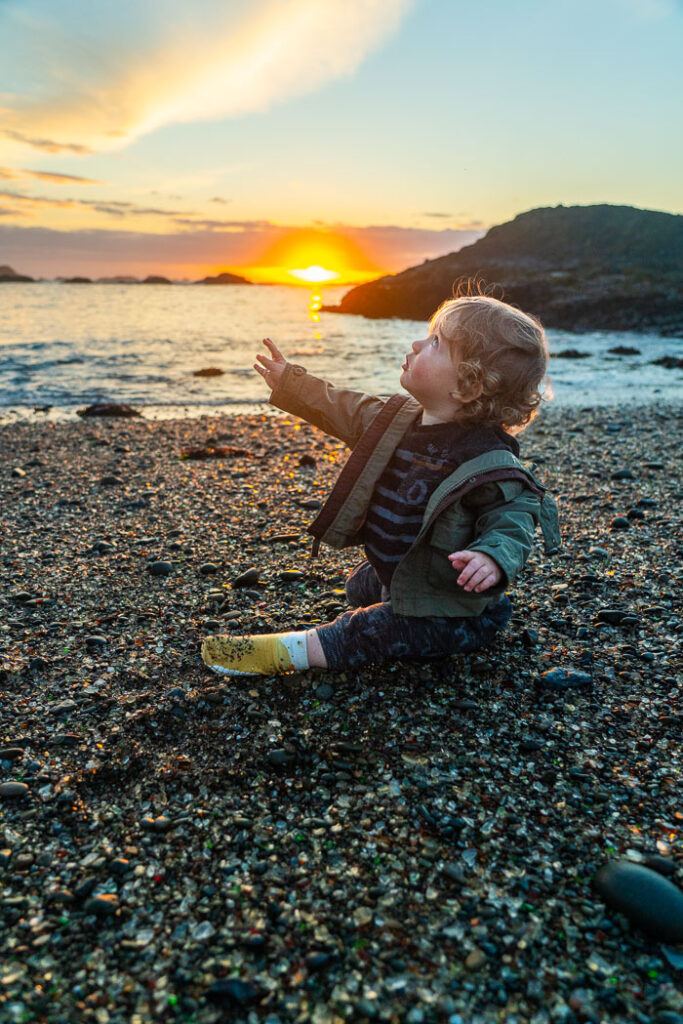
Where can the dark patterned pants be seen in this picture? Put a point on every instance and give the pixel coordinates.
(372, 633)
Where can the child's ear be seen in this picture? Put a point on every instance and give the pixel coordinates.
(467, 394)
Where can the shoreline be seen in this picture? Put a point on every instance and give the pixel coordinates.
(359, 845)
(37, 415)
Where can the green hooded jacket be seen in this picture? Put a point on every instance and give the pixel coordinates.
(505, 500)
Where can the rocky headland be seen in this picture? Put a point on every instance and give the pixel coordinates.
(578, 268)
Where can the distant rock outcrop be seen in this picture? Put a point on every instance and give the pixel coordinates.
(75, 280)
(579, 268)
(224, 279)
(118, 279)
(9, 276)
(156, 279)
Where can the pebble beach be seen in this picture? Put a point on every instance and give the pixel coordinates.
(407, 843)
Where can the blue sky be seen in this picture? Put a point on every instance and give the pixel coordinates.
(409, 126)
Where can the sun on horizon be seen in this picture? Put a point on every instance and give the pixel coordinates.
(315, 274)
(311, 256)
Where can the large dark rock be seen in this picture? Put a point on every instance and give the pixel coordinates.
(650, 901)
(114, 409)
(579, 268)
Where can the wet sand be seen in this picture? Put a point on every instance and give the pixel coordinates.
(402, 843)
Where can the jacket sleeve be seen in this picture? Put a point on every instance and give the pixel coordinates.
(506, 516)
(342, 413)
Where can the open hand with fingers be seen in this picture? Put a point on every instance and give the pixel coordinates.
(479, 571)
(271, 368)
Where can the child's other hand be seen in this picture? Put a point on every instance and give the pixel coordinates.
(273, 368)
(479, 571)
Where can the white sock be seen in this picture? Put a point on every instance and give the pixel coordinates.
(298, 649)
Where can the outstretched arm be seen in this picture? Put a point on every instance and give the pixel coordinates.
(340, 412)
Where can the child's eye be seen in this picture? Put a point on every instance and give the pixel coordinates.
(435, 340)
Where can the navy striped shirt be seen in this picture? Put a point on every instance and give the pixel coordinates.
(425, 456)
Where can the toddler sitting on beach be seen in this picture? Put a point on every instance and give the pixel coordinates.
(433, 490)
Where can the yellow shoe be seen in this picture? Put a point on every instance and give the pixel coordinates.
(259, 655)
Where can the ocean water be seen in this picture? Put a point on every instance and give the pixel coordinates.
(65, 346)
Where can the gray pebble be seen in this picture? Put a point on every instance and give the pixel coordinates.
(564, 679)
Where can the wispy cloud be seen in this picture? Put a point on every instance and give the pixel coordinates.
(113, 206)
(202, 224)
(19, 173)
(47, 145)
(112, 73)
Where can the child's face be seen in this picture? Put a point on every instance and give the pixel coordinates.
(429, 374)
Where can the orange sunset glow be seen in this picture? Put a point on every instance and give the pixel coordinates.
(309, 256)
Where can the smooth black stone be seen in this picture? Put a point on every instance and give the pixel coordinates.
(612, 616)
(13, 790)
(316, 961)
(324, 691)
(120, 866)
(232, 992)
(280, 758)
(651, 902)
(160, 568)
(247, 579)
(529, 743)
(95, 642)
(620, 523)
(84, 888)
(465, 705)
(101, 906)
(11, 753)
(663, 865)
(564, 679)
(455, 873)
(207, 568)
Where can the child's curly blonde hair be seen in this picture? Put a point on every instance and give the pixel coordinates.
(503, 357)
